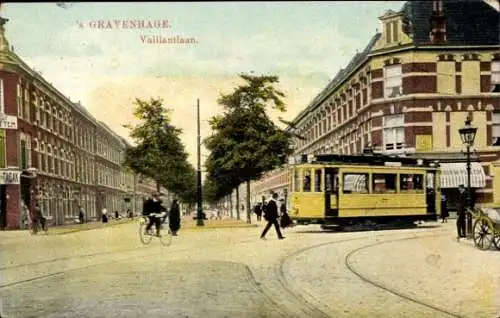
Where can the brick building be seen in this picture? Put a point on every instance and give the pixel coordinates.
(410, 90)
(53, 151)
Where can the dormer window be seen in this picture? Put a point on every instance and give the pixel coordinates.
(391, 32)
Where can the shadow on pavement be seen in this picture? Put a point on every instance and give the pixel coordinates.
(359, 228)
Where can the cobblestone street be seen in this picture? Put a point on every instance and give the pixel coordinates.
(107, 272)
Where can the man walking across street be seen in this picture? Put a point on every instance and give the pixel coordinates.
(462, 204)
(271, 215)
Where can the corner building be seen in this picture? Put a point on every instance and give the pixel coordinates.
(53, 151)
(409, 92)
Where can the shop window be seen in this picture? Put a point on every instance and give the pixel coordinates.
(355, 183)
(384, 183)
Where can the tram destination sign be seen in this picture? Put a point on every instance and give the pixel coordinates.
(10, 177)
(8, 121)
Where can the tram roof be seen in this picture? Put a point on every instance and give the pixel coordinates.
(372, 160)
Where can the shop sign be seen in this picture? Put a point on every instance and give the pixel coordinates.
(10, 177)
(8, 121)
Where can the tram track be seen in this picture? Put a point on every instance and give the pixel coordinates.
(365, 278)
(315, 308)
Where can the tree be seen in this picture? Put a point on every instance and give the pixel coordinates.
(159, 153)
(246, 142)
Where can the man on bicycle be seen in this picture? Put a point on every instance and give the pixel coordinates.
(152, 208)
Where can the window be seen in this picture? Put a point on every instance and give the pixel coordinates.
(384, 183)
(2, 108)
(19, 101)
(355, 183)
(393, 81)
(495, 129)
(2, 148)
(317, 180)
(306, 186)
(296, 180)
(408, 182)
(27, 108)
(24, 153)
(495, 76)
(393, 132)
(395, 31)
(388, 38)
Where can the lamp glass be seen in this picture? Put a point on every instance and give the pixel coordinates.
(468, 134)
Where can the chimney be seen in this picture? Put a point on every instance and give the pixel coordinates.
(438, 23)
(4, 44)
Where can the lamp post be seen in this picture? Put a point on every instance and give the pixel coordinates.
(199, 218)
(468, 134)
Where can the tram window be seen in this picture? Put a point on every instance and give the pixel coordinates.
(317, 180)
(383, 183)
(296, 180)
(355, 183)
(411, 182)
(306, 186)
(430, 180)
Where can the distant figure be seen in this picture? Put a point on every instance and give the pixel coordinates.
(39, 218)
(271, 215)
(285, 220)
(444, 208)
(80, 215)
(130, 214)
(462, 203)
(258, 211)
(117, 215)
(174, 220)
(104, 216)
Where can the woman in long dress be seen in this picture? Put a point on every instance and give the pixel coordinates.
(444, 208)
(174, 219)
(285, 220)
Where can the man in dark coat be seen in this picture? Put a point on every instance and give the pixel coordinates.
(174, 220)
(271, 215)
(462, 204)
(152, 208)
(258, 211)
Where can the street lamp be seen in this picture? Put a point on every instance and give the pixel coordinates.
(199, 195)
(468, 134)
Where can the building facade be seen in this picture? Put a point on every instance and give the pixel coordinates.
(434, 64)
(55, 153)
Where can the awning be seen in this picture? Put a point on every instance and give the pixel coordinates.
(454, 174)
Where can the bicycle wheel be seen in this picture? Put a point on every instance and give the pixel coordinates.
(145, 238)
(165, 237)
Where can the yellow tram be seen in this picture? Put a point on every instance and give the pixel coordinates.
(346, 190)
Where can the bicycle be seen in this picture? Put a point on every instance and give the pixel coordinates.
(165, 235)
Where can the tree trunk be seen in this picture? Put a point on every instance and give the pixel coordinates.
(237, 202)
(231, 204)
(249, 219)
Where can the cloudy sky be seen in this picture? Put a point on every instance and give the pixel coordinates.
(305, 44)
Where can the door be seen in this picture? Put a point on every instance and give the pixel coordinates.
(430, 193)
(331, 191)
(3, 207)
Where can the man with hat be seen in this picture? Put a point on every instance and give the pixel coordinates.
(461, 206)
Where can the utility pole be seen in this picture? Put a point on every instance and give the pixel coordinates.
(199, 219)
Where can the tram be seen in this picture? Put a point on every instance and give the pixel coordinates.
(340, 190)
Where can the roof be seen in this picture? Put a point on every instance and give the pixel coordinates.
(340, 77)
(468, 22)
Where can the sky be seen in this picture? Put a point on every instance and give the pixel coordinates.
(106, 69)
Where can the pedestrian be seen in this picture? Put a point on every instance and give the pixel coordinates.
(258, 211)
(285, 220)
(174, 220)
(462, 203)
(271, 216)
(129, 213)
(81, 214)
(39, 218)
(444, 208)
(104, 215)
(117, 215)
